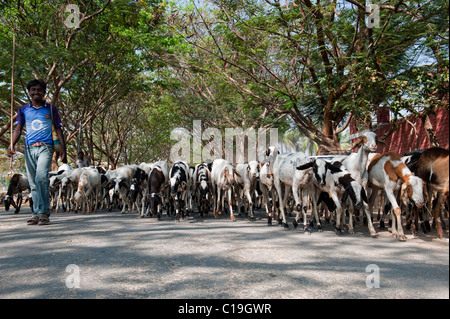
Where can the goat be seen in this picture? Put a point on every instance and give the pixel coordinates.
(267, 181)
(191, 190)
(180, 180)
(307, 178)
(69, 182)
(54, 190)
(87, 194)
(222, 178)
(17, 184)
(202, 188)
(58, 193)
(158, 182)
(122, 183)
(245, 176)
(144, 187)
(387, 172)
(138, 187)
(267, 189)
(108, 184)
(356, 163)
(336, 183)
(433, 167)
(283, 173)
(340, 183)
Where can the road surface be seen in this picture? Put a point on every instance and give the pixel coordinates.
(114, 255)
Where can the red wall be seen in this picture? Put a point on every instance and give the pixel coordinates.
(404, 139)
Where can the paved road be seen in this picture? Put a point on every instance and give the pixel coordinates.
(124, 256)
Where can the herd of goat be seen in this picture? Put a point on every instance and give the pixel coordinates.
(340, 188)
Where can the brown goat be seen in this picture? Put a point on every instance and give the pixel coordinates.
(433, 166)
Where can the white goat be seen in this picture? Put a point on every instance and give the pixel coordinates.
(222, 181)
(245, 176)
(356, 163)
(283, 174)
(122, 181)
(89, 186)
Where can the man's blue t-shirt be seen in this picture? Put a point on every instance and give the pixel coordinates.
(38, 123)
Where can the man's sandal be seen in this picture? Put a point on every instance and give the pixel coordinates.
(33, 221)
(44, 220)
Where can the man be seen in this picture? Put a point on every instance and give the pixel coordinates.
(38, 147)
(82, 162)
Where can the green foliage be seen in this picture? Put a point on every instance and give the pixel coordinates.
(108, 59)
(248, 63)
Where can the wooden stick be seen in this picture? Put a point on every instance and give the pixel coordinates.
(12, 95)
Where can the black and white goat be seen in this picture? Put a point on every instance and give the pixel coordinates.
(108, 184)
(202, 188)
(342, 188)
(308, 178)
(17, 184)
(179, 187)
(138, 188)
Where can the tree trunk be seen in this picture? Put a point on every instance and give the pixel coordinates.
(329, 131)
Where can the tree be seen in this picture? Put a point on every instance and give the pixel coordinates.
(88, 65)
(318, 63)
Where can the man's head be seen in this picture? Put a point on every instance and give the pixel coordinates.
(36, 89)
(81, 155)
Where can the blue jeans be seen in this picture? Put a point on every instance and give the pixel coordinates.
(37, 162)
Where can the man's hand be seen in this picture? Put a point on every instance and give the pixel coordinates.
(63, 155)
(15, 138)
(10, 151)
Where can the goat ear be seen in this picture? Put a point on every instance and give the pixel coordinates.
(333, 168)
(267, 151)
(404, 192)
(305, 166)
(358, 141)
(364, 195)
